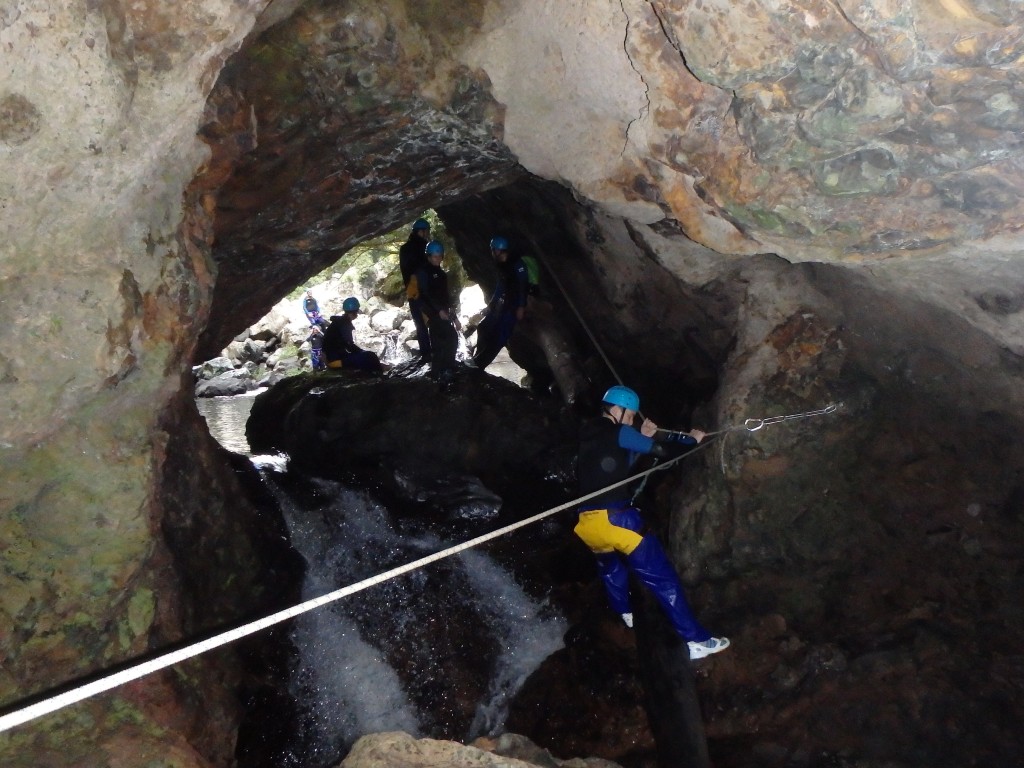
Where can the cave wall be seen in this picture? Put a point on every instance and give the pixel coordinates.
(864, 559)
(158, 195)
(105, 288)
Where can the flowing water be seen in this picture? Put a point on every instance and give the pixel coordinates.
(437, 652)
(226, 417)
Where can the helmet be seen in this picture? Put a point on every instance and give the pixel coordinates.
(351, 304)
(499, 244)
(623, 397)
(435, 248)
(420, 224)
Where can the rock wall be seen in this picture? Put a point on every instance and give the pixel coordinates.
(106, 285)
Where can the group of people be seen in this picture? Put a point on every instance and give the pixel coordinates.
(332, 344)
(431, 306)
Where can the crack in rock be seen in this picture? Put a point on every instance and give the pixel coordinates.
(646, 108)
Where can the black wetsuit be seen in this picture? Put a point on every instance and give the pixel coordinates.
(510, 295)
(339, 345)
(411, 257)
(432, 291)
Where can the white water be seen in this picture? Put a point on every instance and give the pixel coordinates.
(529, 638)
(343, 678)
(343, 681)
(226, 417)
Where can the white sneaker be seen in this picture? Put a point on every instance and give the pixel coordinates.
(707, 647)
(628, 619)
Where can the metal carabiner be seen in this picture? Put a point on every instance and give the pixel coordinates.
(752, 425)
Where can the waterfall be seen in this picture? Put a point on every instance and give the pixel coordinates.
(438, 652)
(529, 635)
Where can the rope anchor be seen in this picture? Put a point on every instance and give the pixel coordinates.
(753, 425)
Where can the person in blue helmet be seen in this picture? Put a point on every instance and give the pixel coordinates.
(430, 286)
(411, 257)
(611, 526)
(339, 347)
(506, 307)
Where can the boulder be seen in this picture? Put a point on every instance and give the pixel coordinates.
(405, 434)
(387, 319)
(388, 750)
(234, 382)
(215, 367)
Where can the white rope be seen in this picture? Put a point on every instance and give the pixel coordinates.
(753, 425)
(107, 682)
(572, 306)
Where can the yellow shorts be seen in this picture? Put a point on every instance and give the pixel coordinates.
(601, 536)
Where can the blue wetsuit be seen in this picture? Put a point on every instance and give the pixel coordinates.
(613, 530)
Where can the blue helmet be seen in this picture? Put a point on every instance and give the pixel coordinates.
(435, 248)
(623, 397)
(420, 224)
(499, 243)
(351, 304)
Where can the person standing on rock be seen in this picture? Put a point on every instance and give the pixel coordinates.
(506, 307)
(611, 526)
(340, 348)
(411, 257)
(316, 348)
(429, 285)
(311, 309)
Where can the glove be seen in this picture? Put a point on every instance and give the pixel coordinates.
(679, 437)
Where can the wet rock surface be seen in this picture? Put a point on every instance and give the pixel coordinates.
(419, 443)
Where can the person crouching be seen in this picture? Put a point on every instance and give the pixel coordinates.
(340, 349)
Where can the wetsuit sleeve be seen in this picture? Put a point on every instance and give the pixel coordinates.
(498, 295)
(349, 345)
(633, 441)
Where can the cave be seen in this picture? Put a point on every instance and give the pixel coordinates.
(744, 212)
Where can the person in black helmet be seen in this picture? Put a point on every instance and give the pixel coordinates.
(411, 257)
(430, 286)
(339, 346)
(611, 526)
(506, 307)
